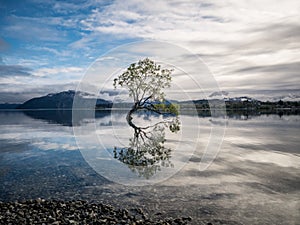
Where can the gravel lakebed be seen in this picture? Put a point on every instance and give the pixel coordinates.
(57, 212)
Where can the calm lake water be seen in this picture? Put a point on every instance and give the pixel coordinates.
(255, 178)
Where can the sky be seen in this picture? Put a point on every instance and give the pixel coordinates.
(252, 47)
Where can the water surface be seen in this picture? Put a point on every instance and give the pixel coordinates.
(255, 178)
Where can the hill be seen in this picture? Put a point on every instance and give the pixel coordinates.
(61, 100)
(8, 106)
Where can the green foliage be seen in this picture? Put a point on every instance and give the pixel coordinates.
(145, 79)
(167, 108)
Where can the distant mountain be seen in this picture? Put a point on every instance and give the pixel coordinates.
(8, 106)
(64, 100)
(240, 99)
(61, 100)
(225, 99)
(199, 101)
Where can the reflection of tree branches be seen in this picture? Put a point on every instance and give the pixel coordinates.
(146, 152)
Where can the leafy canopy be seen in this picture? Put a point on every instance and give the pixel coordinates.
(145, 80)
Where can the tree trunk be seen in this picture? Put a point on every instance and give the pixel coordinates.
(129, 116)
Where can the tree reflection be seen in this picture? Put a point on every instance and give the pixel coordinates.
(146, 152)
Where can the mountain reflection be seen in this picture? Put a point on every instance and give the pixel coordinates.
(64, 117)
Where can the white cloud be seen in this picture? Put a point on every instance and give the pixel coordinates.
(229, 35)
(48, 145)
(58, 71)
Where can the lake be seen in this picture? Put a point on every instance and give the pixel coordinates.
(253, 177)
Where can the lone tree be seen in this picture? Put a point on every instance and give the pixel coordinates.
(145, 81)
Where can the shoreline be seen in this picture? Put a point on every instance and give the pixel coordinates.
(59, 212)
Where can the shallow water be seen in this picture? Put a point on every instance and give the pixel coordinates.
(255, 178)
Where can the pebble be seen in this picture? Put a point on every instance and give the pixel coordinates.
(55, 212)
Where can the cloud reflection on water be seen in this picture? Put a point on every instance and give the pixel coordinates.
(256, 171)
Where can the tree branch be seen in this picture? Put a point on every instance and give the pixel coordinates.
(146, 99)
